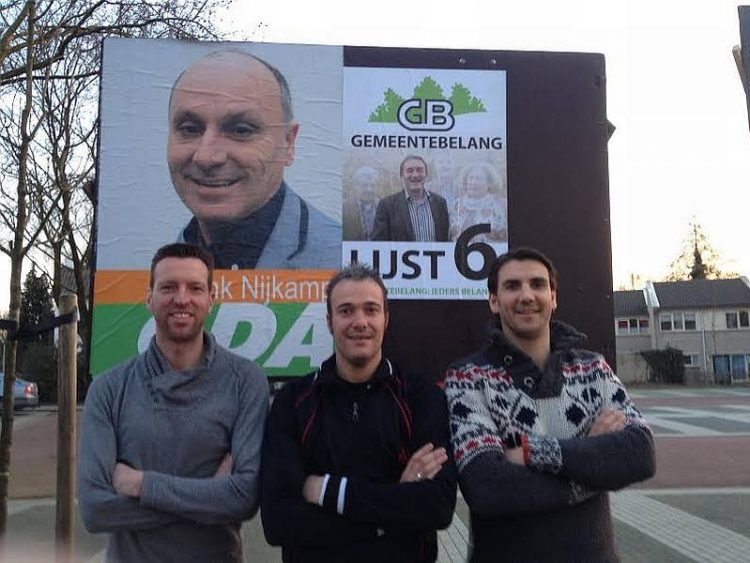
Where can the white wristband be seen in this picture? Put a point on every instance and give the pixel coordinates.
(342, 494)
(322, 496)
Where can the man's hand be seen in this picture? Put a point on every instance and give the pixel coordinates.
(424, 464)
(515, 455)
(608, 421)
(225, 467)
(127, 481)
(311, 488)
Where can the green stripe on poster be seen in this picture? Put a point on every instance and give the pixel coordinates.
(286, 339)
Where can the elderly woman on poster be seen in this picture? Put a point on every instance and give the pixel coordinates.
(481, 199)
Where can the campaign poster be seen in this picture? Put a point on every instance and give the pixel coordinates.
(178, 161)
(425, 197)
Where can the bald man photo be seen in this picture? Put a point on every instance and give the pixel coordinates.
(360, 207)
(231, 135)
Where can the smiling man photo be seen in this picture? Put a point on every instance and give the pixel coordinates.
(356, 463)
(541, 428)
(414, 213)
(231, 135)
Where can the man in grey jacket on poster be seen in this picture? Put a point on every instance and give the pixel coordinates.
(231, 135)
(171, 439)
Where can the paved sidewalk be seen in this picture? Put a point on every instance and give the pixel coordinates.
(696, 509)
(33, 469)
(674, 526)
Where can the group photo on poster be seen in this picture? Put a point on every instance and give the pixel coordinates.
(460, 196)
(234, 148)
(424, 170)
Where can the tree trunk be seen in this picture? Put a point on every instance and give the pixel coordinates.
(17, 255)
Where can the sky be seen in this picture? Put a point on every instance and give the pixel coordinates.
(682, 145)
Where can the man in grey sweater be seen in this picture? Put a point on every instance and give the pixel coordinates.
(170, 440)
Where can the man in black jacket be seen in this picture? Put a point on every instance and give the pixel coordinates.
(355, 461)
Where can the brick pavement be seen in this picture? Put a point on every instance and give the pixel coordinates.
(697, 507)
(33, 467)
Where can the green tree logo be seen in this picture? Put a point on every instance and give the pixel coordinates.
(429, 89)
(388, 110)
(464, 102)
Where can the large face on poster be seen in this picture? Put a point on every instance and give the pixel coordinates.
(234, 147)
(425, 168)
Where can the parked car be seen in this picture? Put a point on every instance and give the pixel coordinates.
(25, 393)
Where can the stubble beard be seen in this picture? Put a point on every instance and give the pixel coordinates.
(167, 333)
(359, 361)
(527, 335)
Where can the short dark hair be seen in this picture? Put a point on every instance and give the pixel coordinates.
(285, 92)
(183, 250)
(412, 157)
(520, 253)
(356, 271)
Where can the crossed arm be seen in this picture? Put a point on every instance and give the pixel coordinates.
(294, 513)
(113, 495)
(102, 508)
(549, 473)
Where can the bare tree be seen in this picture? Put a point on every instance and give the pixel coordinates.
(49, 80)
(698, 259)
(69, 130)
(17, 249)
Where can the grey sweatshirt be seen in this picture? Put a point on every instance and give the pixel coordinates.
(176, 427)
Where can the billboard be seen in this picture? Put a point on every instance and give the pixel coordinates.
(261, 153)
(397, 157)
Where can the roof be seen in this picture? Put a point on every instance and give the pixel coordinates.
(703, 293)
(630, 303)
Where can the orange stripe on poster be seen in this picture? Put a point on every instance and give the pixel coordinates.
(230, 286)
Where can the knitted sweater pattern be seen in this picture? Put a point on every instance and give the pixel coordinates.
(499, 399)
(524, 405)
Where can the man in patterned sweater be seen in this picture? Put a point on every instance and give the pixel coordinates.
(541, 430)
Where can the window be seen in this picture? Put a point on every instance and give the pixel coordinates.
(632, 326)
(731, 319)
(730, 366)
(692, 360)
(678, 321)
(738, 319)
